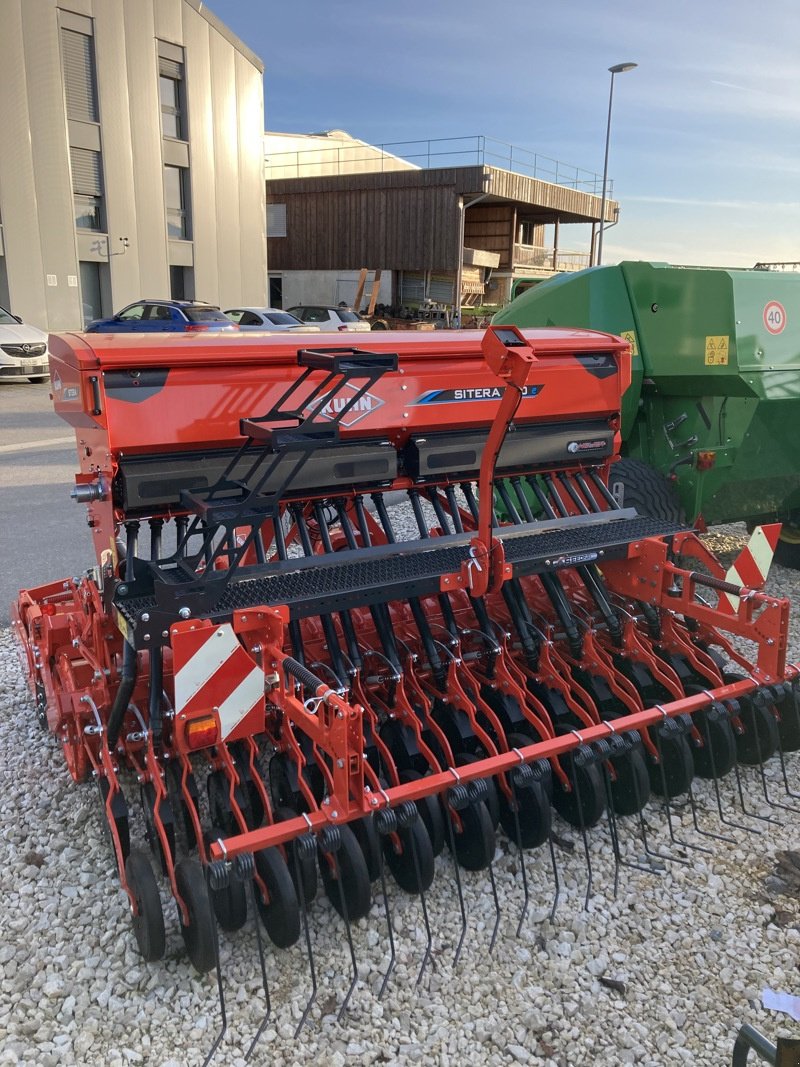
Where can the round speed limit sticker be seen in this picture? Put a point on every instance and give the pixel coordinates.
(774, 316)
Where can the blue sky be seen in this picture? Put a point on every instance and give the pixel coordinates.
(705, 149)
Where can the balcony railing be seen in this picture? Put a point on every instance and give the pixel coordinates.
(541, 258)
(440, 152)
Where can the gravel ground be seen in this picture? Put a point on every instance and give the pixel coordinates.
(662, 974)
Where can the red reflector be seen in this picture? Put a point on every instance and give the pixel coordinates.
(201, 733)
(48, 609)
(706, 460)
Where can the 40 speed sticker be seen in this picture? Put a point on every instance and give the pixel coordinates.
(774, 316)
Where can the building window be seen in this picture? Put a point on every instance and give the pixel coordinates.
(276, 220)
(276, 291)
(181, 283)
(87, 188)
(171, 93)
(176, 199)
(80, 82)
(91, 290)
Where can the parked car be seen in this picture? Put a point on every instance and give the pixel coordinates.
(150, 316)
(23, 350)
(272, 319)
(330, 318)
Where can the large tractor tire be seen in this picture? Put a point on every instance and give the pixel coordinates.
(635, 484)
(787, 550)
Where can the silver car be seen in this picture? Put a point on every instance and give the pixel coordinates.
(23, 351)
(272, 319)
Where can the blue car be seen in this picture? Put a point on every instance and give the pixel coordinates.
(151, 316)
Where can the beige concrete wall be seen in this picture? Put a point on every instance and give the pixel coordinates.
(296, 155)
(225, 155)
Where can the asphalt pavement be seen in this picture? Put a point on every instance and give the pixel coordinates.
(43, 533)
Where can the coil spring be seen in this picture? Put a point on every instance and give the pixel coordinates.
(330, 839)
(523, 777)
(602, 748)
(669, 727)
(618, 744)
(763, 698)
(305, 846)
(583, 756)
(406, 813)
(734, 707)
(386, 821)
(458, 797)
(478, 790)
(218, 875)
(244, 867)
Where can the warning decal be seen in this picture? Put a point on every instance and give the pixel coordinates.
(630, 337)
(717, 346)
(775, 316)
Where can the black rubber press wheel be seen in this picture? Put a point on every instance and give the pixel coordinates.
(760, 738)
(430, 812)
(281, 913)
(307, 864)
(717, 755)
(676, 769)
(585, 803)
(199, 935)
(630, 788)
(148, 923)
(410, 876)
(230, 903)
(349, 874)
(475, 842)
(533, 814)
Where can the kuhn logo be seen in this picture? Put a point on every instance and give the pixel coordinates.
(365, 405)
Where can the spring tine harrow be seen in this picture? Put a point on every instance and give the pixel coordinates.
(437, 632)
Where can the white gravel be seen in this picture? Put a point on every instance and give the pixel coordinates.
(686, 953)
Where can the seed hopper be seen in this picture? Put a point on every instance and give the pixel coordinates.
(356, 607)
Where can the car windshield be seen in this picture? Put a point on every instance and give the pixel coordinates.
(205, 315)
(282, 318)
(7, 318)
(348, 316)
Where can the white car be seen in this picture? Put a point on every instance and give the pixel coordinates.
(272, 319)
(330, 318)
(23, 351)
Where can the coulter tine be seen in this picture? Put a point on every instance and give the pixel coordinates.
(305, 847)
(216, 877)
(386, 823)
(244, 870)
(577, 758)
(406, 814)
(457, 799)
(520, 778)
(329, 843)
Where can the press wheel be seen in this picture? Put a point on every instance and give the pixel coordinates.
(199, 935)
(353, 877)
(229, 904)
(492, 801)
(148, 922)
(430, 812)
(677, 764)
(789, 724)
(630, 785)
(369, 843)
(307, 864)
(585, 803)
(475, 842)
(760, 739)
(401, 862)
(281, 913)
(533, 808)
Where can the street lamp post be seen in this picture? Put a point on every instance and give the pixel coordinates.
(619, 68)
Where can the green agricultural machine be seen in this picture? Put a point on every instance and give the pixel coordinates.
(711, 422)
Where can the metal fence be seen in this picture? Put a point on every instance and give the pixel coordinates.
(435, 153)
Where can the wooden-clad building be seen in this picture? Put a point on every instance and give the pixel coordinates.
(429, 229)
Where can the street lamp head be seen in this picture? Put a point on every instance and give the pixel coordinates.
(620, 68)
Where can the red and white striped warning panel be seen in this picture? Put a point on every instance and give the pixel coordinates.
(751, 566)
(213, 673)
